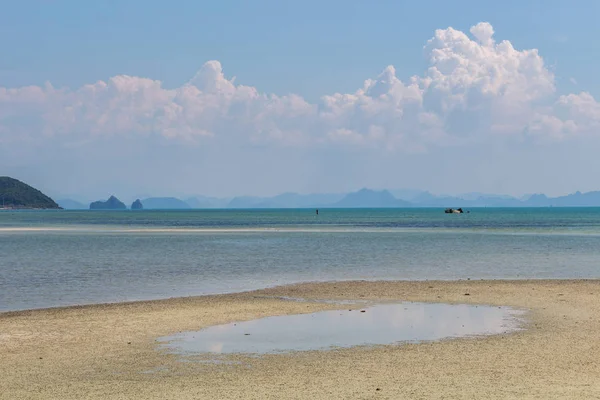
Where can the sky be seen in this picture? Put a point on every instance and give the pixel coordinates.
(148, 98)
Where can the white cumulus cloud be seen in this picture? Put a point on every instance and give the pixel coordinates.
(474, 87)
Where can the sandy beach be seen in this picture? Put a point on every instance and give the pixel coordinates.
(110, 351)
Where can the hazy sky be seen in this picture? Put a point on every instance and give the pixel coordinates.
(261, 97)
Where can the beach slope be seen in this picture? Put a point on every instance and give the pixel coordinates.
(110, 351)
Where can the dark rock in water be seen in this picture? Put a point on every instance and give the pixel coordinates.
(111, 204)
(454, 211)
(137, 205)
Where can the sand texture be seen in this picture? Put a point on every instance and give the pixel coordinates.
(110, 351)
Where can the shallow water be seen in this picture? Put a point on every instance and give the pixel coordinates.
(377, 325)
(57, 258)
(539, 220)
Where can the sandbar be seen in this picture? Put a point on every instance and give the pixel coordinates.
(110, 351)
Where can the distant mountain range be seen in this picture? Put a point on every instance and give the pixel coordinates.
(70, 204)
(164, 203)
(371, 198)
(364, 198)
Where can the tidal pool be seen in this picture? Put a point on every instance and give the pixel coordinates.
(376, 325)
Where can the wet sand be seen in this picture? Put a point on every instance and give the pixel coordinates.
(110, 351)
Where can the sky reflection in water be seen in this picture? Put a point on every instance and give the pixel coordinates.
(377, 325)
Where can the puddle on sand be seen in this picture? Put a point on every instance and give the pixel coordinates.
(377, 325)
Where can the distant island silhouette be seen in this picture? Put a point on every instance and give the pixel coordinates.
(363, 198)
(111, 204)
(137, 205)
(15, 194)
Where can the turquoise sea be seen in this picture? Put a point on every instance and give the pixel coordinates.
(56, 258)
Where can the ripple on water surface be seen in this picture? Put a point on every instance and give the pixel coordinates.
(378, 325)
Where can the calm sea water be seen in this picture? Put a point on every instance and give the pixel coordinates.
(55, 258)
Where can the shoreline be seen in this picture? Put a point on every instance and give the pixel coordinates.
(109, 350)
(282, 288)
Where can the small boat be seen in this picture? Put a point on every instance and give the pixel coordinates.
(453, 211)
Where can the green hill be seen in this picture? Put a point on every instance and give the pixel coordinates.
(16, 194)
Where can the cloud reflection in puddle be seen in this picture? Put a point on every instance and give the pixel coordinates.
(378, 325)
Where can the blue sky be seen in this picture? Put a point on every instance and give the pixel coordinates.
(281, 47)
(236, 142)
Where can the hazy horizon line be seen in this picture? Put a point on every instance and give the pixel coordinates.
(184, 197)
